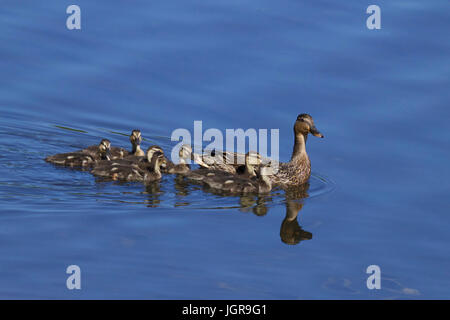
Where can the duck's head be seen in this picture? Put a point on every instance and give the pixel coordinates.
(158, 160)
(105, 149)
(185, 151)
(135, 137)
(305, 124)
(253, 158)
(152, 150)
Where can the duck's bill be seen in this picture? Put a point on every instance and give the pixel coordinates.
(316, 132)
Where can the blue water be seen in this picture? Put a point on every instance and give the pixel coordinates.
(380, 184)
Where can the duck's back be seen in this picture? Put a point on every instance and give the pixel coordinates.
(81, 158)
(173, 168)
(292, 173)
(123, 169)
(119, 153)
(123, 172)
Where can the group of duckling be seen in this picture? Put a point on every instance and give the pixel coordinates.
(217, 170)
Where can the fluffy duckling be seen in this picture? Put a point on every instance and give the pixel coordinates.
(83, 158)
(236, 184)
(94, 154)
(126, 169)
(246, 180)
(153, 173)
(136, 151)
(184, 153)
(252, 162)
(221, 161)
(136, 139)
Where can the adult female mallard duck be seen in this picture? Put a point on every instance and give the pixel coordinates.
(83, 158)
(126, 170)
(298, 170)
(295, 172)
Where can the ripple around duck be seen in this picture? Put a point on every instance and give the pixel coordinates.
(175, 192)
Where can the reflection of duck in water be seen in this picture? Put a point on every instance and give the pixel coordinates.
(256, 204)
(291, 232)
(153, 191)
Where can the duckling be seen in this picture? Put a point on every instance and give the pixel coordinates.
(252, 161)
(182, 167)
(94, 154)
(244, 181)
(136, 139)
(154, 173)
(149, 154)
(127, 169)
(136, 151)
(234, 184)
(184, 153)
(221, 161)
(298, 170)
(83, 158)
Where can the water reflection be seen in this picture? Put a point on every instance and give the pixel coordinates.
(154, 193)
(290, 231)
(256, 204)
(184, 192)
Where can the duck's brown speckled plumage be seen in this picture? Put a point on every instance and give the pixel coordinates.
(123, 170)
(93, 155)
(184, 153)
(226, 161)
(294, 172)
(235, 184)
(245, 181)
(87, 157)
(130, 170)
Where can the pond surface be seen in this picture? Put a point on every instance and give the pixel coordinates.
(379, 193)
